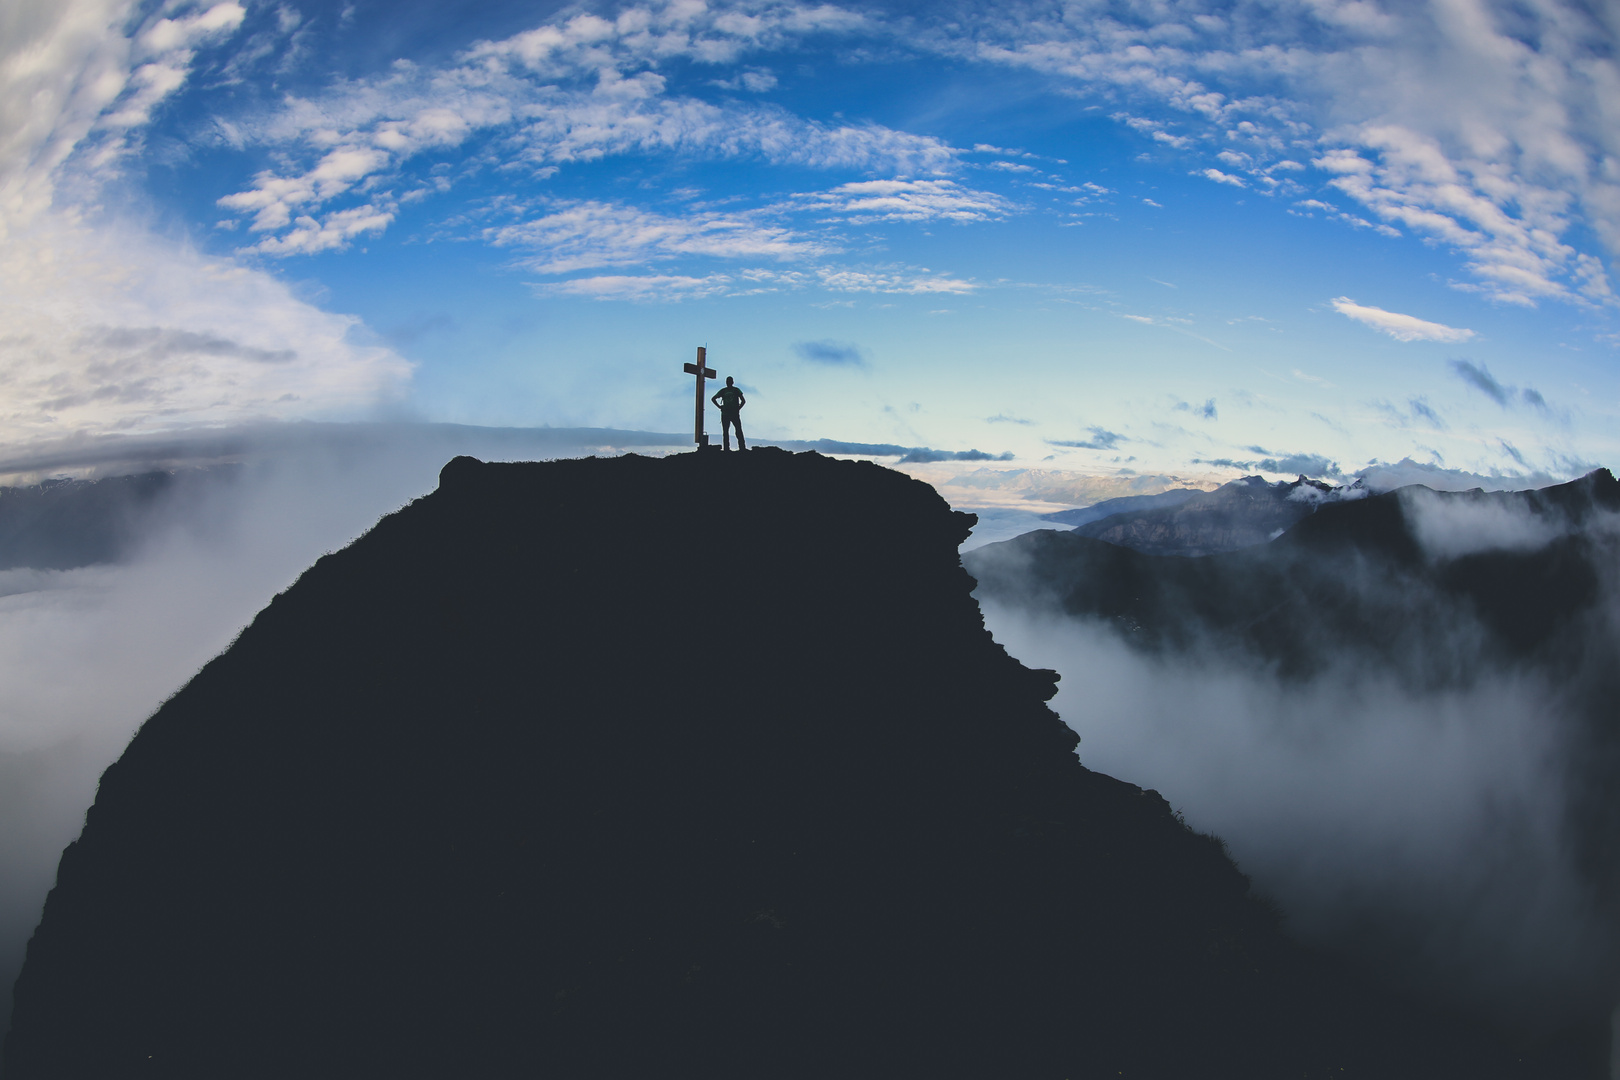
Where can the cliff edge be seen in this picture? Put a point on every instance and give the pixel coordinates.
(637, 767)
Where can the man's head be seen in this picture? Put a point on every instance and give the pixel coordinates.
(728, 380)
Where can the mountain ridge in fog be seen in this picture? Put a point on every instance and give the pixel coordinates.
(1240, 513)
(737, 794)
(1464, 638)
(1344, 572)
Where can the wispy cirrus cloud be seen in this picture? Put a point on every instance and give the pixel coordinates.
(1398, 326)
(1485, 126)
(908, 200)
(746, 282)
(561, 94)
(662, 288)
(584, 234)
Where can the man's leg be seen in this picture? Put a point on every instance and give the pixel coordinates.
(741, 444)
(725, 429)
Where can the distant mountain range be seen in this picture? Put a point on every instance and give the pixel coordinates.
(62, 524)
(1392, 574)
(1437, 591)
(1236, 515)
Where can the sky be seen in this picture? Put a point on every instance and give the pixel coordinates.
(1166, 238)
(1110, 245)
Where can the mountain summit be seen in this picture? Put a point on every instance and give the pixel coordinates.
(694, 767)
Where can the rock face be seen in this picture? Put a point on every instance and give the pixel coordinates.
(719, 788)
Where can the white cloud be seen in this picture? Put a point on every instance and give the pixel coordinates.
(586, 234)
(664, 287)
(1222, 178)
(647, 287)
(108, 327)
(909, 200)
(1398, 326)
(309, 236)
(562, 93)
(902, 281)
(1489, 126)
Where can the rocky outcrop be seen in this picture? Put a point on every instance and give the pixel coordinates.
(712, 785)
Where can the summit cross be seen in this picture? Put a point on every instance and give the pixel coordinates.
(702, 371)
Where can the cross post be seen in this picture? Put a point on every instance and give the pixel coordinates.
(702, 371)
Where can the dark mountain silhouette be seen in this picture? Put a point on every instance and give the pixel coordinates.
(745, 793)
(1437, 589)
(62, 524)
(1351, 578)
(1235, 515)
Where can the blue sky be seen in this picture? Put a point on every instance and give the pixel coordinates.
(1182, 237)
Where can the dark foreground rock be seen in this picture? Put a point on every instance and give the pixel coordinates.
(715, 787)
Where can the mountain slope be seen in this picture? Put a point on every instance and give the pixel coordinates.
(736, 794)
(1239, 514)
(62, 524)
(1392, 575)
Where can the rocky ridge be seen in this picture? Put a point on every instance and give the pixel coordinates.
(746, 793)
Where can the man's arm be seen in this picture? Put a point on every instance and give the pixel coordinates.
(716, 399)
(741, 401)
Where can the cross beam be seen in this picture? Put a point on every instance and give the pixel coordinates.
(702, 371)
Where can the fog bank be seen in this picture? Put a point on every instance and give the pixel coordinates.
(87, 654)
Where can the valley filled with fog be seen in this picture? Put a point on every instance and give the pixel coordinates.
(1424, 790)
(1424, 808)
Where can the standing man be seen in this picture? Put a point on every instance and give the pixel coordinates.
(731, 400)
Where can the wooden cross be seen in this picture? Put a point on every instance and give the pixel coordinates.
(702, 371)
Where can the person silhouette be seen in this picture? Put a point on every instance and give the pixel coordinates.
(731, 400)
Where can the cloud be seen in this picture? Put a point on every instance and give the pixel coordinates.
(1003, 418)
(71, 79)
(1387, 476)
(646, 287)
(1300, 464)
(109, 327)
(571, 92)
(1422, 409)
(1205, 411)
(908, 200)
(1480, 378)
(923, 282)
(579, 235)
(923, 456)
(1312, 465)
(830, 353)
(1375, 815)
(758, 280)
(1222, 178)
(1485, 127)
(1398, 326)
(1101, 439)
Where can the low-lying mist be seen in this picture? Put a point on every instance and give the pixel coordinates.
(1437, 805)
(87, 654)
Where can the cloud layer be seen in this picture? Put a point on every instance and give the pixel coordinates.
(106, 325)
(1398, 326)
